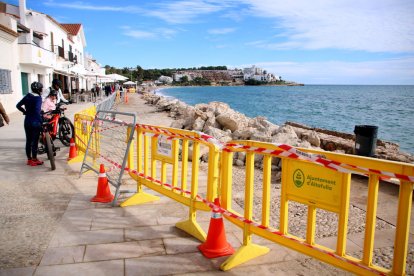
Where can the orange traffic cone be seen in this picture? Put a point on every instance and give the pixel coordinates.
(103, 193)
(73, 151)
(216, 244)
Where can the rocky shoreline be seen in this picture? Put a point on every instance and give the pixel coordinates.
(219, 120)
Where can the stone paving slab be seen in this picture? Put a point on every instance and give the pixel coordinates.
(168, 264)
(63, 255)
(124, 250)
(113, 267)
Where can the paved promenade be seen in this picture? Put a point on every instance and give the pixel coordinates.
(48, 226)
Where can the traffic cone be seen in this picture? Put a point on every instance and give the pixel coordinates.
(216, 244)
(103, 193)
(73, 151)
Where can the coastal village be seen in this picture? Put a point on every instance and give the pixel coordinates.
(42, 49)
(60, 232)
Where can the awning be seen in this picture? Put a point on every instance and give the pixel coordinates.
(117, 77)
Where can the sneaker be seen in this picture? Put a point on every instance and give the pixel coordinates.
(36, 162)
(29, 162)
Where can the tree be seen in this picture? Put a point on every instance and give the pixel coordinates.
(184, 79)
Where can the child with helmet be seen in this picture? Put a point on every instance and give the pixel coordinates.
(32, 103)
(49, 104)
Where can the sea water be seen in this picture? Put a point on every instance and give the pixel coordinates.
(334, 107)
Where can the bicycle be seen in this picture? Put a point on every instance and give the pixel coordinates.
(55, 126)
(62, 127)
(46, 143)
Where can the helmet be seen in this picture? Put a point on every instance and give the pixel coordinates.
(57, 82)
(37, 87)
(52, 93)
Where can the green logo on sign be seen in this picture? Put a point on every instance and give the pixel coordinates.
(298, 178)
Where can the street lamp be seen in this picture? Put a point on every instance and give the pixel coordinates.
(130, 72)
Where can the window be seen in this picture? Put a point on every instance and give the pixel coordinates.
(52, 43)
(5, 82)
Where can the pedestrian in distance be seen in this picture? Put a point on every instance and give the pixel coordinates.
(3, 116)
(32, 103)
(56, 86)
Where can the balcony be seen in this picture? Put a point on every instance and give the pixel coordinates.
(35, 55)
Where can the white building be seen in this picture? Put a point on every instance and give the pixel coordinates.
(258, 74)
(42, 50)
(10, 88)
(164, 80)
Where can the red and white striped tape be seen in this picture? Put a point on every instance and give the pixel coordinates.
(293, 153)
(218, 209)
(203, 137)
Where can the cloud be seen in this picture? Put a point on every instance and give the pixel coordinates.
(175, 12)
(155, 33)
(373, 26)
(80, 5)
(221, 31)
(388, 71)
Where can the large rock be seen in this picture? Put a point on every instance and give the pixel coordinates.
(262, 124)
(198, 124)
(232, 120)
(219, 134)
(243, 134)
(312, 137)
(286, 135)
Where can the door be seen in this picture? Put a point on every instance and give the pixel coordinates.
(25, 83)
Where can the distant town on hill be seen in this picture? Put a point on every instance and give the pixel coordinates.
(205, 75)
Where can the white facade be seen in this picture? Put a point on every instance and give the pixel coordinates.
(258, 74)
(9, 61)
(43, 50)
(165, 80)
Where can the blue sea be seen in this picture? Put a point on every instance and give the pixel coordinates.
(334, 107)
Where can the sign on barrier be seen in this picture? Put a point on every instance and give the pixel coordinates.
(164, 146)
(314, 185)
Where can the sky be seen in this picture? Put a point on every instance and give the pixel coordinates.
(311, 42)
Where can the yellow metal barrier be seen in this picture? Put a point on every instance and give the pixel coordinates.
(317, 187)
(166, 145)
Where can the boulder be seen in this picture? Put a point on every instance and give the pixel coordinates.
(177, 124)
(219, 134)
(198, 124)
(312, 137)
(285, 135)
(232, 120)
(218, 108)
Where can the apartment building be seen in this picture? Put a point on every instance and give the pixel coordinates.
(41, 49)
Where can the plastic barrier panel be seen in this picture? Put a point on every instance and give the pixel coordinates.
(313, 183)
(167, 151)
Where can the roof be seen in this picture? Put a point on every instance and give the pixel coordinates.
(73, 29)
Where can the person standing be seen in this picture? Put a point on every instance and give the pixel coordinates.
(3, 116)
(108, 90)
(32, 103)
(56, 85)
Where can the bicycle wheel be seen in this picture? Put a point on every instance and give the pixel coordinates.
(66, 131)
(49, 150)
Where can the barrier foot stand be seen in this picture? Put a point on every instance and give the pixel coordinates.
(139, 198)
(77, 159)
(243, 254)
(191, 226)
